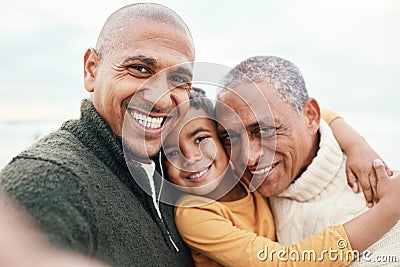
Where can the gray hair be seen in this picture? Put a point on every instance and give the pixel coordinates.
(114, 29)
(282, 75)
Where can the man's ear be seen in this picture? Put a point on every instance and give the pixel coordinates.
(91, 62)
(312, 115)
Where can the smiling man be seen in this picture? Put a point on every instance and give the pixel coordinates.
(272, 129)
(76, 182)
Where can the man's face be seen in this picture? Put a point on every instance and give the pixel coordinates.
(273, 149)
(143, 70)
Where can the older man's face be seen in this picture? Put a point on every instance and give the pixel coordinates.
(273, 149)
(143, 69)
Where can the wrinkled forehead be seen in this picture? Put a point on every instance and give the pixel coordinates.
(242, 107)
(243, 98)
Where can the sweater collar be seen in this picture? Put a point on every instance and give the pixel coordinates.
(322, 170)
(94, 132)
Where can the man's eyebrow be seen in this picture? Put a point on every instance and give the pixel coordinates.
(147, 60)
(186, 71)
(262, 123)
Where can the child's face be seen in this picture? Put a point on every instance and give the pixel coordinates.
(196, 159)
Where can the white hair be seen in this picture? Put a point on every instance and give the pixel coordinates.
(282, 75)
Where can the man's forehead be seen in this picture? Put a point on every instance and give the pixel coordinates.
(244, 107)
(147, 33)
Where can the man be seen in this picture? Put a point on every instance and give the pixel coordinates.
(76, 182)
(288, 154)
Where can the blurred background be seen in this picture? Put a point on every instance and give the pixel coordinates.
(348, 51)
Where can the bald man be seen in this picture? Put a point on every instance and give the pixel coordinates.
(81, 182)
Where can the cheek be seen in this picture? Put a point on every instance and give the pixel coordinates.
(285, 146)
(172, 171)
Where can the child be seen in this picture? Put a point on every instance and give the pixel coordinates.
(238, 228)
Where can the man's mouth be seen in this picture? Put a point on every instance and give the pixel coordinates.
(263, 171)
(147, 121)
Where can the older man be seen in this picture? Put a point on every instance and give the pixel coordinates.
(288, 154)
(76, 182)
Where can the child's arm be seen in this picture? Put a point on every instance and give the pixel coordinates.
(359, 155)
(208, 231)
(380, 218)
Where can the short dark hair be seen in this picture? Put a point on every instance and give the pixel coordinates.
(199, 100)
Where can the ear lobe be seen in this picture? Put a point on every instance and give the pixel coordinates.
(311, 112)
(91, 60)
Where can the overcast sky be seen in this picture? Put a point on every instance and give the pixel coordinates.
(348, 50)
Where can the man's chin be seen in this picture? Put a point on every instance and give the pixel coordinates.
(141, 154)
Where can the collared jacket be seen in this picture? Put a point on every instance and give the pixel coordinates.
(76, 184)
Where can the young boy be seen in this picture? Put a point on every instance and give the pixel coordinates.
(238, 228)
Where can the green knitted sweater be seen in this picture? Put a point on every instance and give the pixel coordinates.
(76, 184)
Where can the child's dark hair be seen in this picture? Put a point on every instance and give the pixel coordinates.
(199, 100)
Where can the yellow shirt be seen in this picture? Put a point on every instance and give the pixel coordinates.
(242, 233)
(329, 115)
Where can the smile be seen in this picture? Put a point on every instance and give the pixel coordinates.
(263, 171)
(199, 174)
(147, 121)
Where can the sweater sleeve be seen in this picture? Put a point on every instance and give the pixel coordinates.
(329, 115)
(54, 197)
(208, 232)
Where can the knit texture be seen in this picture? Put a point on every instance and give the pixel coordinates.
(76, 184)
(320, 197)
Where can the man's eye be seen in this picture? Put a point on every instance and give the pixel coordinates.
(140, 71)
(267, 132)
(267, 129)
(178, 79)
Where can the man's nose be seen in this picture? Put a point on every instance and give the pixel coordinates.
(158, 92)
(251, 151)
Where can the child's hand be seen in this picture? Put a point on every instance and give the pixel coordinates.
(387, 187)
(359, 167)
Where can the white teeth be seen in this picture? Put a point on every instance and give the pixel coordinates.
(199, 174)
(262, 171)
(147, 121)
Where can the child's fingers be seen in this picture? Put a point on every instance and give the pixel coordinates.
(352, 180)
(380, 170)
(367, 190)
(373, 181)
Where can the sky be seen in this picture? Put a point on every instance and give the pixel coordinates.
(347, 50)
